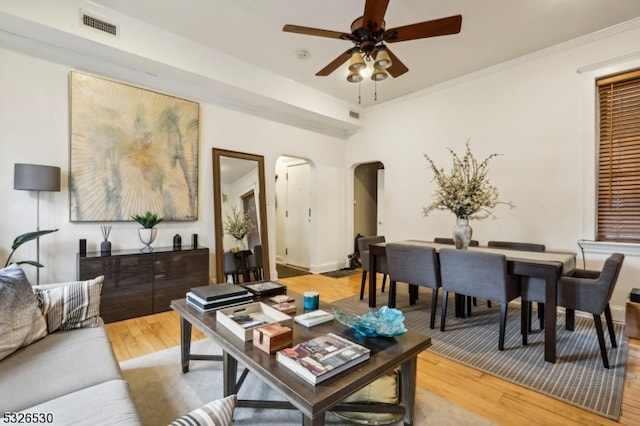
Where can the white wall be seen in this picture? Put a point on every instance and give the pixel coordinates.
(538, 113)
(34, 128)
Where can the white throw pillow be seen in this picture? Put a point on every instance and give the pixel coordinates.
(21, 321)
(215, 413)
(71, 305)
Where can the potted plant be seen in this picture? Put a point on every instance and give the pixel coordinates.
(148, 232)
(238, 225)
(23, 238)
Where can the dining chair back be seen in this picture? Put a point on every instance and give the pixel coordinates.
(416, 266)
(363, 248)
(449, 241)
(254, 262)
(516, 245)
(230, 267)
(472, 273)
(525, 283)
(590, 291)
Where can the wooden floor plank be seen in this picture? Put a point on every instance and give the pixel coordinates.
(494, 398)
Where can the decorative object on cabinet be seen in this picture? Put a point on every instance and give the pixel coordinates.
(131, 147)
(148, 232)
(142, 283)
(105, 245)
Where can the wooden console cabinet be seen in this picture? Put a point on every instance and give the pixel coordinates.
(140, 283)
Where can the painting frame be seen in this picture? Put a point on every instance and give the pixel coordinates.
(132, 150)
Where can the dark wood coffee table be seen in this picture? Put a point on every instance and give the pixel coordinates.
(312, 401)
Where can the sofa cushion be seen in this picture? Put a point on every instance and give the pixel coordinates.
(215, 413)
(107, 403)
(56, 365)
(21, 321)
(72, 305)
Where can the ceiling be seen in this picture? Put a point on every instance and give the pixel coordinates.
(493, 31)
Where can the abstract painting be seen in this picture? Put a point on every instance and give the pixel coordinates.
(132, 151)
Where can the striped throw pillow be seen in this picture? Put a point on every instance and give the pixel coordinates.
(70, 306)
(215, 413)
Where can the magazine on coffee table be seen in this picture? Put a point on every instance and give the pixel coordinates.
(323, 357)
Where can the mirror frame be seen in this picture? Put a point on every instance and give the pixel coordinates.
(217, 211)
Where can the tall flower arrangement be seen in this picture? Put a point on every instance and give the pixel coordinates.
(238, 224)
(465, 190)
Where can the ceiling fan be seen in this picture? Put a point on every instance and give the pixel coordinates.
(369, 35)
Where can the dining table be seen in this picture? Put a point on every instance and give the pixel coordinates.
(548, 265)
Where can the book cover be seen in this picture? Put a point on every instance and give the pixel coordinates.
(323, 357)
(313, 318)
(217, 291)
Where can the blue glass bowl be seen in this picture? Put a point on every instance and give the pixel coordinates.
(387, 322)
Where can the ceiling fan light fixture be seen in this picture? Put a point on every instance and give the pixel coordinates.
(356, 63)
(383, 61)
(354, 77)
(379, 74)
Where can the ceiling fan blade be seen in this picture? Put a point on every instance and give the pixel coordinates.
(374, 11)
(397, 68)
(333, 65)
(435, 28)
(316, 32)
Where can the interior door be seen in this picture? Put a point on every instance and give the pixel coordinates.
(298, 215)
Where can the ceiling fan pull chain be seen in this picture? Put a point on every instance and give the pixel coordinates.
(359, 96)
(375, 90)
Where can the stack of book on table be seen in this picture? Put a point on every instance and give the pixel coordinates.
(212, 297)
(323, 357)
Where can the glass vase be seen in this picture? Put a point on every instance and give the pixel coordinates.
(462, 233)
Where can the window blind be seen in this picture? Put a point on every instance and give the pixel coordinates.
(618, 197)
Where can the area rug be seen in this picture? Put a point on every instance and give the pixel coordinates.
(340, 273)
(162, 393)
(577, 377)
(286, 271)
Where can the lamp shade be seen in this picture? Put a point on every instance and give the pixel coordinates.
(382, 60)
(34, 177)
(379, 74)
(354, 77)
(356, 63)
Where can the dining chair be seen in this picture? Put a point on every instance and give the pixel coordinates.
(586, 291)
(473, 243)
(254, 262)
(525, 281)
(449, 241)
(363, 248)
(416, 266)
(473, 273)
(230, 267)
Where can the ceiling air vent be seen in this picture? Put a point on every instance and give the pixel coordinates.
(98, 24)
(354, 114)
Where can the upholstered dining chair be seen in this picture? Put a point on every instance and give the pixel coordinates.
(255, 263)
(473, 273)
(416, 266)
(524, 280)
(449, 241)
(586, 291)
(363, 248)
(230, 267)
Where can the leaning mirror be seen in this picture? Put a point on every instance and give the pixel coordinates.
(239, 208)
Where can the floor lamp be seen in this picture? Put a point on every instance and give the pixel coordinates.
(34, 177)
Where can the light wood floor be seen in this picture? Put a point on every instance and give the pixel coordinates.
(493, 398)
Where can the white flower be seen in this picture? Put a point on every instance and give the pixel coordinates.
(238, 225)
(466, 191)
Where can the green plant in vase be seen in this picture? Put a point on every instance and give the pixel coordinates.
(148, 232)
